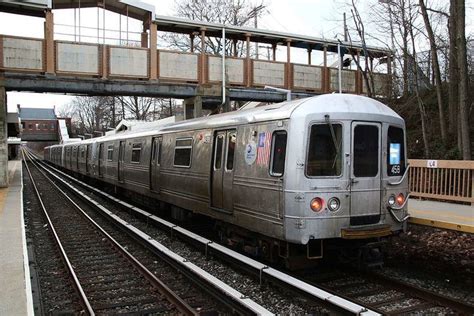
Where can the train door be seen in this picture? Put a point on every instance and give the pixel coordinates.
(223, 170)
(155, 164)
(101, 160)
(120, 160)
(365, 173)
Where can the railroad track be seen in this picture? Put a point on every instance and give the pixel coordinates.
(126, 282)
(385, 295)
(108, 279)
(361, 295)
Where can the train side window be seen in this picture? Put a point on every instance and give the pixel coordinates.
(182, 152)
(110, 152)
(278, 153)
(396, 151)
(324, 152)
(136, 152)
(218, 152)
(230, 151)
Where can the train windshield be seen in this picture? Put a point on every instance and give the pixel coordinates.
(324, 154)
(396, 148)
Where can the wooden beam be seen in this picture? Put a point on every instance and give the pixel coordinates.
(153, 52)
(49, 41)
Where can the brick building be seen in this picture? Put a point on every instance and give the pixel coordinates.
(38, 124)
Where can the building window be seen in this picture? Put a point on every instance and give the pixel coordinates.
(324, 152)
(30, 126)
(231, 138)
(110, 152)
(182, 152)
(136, 151)
(53, 126)
(278, 153)
(37, 126)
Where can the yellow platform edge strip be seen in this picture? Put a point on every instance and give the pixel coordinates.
(440, 224)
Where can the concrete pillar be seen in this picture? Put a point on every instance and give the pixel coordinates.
(49, 41)
(3, 136)
(153, 52)
(192, 107)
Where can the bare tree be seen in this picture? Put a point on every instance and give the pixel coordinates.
(453, 73)
(421, 105)
(360, 28)
(436, 71)
(138, 107)
(464, 102)
(91, 114)
(228, 12)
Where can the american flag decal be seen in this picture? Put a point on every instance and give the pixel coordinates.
(263, 148)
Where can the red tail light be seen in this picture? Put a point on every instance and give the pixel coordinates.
(400, 199)
(317, 204)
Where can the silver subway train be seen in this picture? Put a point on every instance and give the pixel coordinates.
(278, 179)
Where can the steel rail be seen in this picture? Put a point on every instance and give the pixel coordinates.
(82, 296)
(170, 295)
(264, 271)
(241, 303)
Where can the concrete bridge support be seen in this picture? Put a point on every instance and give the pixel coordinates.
(3, 136)
(193, 107)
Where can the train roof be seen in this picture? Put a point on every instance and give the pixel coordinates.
(346, 104)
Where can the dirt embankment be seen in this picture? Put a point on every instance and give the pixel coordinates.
(437, 250)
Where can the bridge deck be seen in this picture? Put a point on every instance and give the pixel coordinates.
(442, 215)
(15, 289)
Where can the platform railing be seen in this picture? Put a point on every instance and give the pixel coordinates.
(442, 180)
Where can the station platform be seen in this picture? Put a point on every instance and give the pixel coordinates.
(442, 215)
(15, 289)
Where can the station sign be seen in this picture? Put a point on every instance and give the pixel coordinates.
(432, 163)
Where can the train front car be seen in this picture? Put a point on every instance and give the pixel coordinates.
(349, 157)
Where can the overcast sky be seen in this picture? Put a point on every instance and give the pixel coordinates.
(319, 18)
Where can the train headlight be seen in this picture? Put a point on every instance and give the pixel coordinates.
(317, 204)
(334, 204)
(391, 200)
(400, 199)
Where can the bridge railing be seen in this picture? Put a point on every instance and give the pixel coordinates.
(21, 54)
(447, 180)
